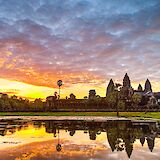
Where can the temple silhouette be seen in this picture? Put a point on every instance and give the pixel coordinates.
(122, 95)
(121, 135)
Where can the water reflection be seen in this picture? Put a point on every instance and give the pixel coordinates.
(121, 135)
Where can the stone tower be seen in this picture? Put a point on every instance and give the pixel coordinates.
(110, 87)
(140, 87)
(148, 87)
(126, 81)
(142, 140)
(151, 143)
(126, 91)
(92, 94)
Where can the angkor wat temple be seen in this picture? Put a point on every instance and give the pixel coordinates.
(127, 84)
(116, 94)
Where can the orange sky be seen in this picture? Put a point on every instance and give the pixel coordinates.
(32, 91)
(84, 43)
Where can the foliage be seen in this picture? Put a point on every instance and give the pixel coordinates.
(111, 99)
(121, 104)
(38, 103)
(4, 104)
(136, 98)
(15, 104)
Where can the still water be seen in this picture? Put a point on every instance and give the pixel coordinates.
(80, 140)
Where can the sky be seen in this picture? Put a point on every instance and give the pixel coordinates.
(84, 43)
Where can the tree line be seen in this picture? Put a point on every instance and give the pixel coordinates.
(14, 103)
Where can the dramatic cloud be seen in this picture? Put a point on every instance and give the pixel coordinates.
(79, 41)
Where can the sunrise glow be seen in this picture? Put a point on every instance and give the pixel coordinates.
(84, 43)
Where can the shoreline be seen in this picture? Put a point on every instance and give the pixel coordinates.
(137, 115)
(81, 117)
(76, 118)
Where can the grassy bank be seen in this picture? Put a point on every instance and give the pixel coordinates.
(122, 114)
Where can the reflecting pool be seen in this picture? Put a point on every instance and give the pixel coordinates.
(79, 139)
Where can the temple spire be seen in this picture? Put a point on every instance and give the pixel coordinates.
(140, 87)
(150, 142)
(110, 87)
(126, 81)
(148, 87)
(129, 148)
(142, 140)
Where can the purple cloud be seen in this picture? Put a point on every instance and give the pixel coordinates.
(85, 38)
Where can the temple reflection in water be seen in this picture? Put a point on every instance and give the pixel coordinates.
(121, 135)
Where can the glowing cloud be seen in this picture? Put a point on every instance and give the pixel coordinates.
(81, 42)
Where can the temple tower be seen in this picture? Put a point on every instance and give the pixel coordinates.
(148, 87)
(126, 81)
(110, 87)
(140, 88)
